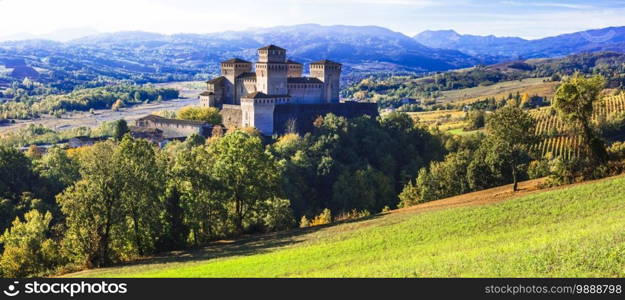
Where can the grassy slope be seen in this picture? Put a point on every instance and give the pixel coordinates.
(575, 231)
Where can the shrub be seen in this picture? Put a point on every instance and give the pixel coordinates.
(538, 169)
(409, 196)
(304, 222)
(325, 217)
(617, 151)
(279, 215)
(353, 214)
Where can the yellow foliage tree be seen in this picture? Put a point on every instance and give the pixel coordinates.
(206, 114)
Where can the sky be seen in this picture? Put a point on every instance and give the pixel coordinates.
(524, 18)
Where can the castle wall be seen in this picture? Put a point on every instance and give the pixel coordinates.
(258, 115)
(231, 116)
(175, 130)
(305, 114)
(306, 93)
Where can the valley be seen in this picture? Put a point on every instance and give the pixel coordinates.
(189, 92)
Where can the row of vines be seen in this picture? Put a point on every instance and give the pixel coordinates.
(559, 137)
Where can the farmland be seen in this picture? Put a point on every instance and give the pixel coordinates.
(560, 138)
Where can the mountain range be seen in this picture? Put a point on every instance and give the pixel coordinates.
(605, 39)
(156, 57)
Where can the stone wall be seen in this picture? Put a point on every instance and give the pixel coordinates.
(305, 114)
(231, 116)
(306, 93)
(176, 130)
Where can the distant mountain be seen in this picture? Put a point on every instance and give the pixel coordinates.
(605, 39)
(151, 57)
(359, 47)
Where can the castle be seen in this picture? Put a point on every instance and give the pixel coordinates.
(276, 92)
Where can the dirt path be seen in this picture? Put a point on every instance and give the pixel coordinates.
(487, 196)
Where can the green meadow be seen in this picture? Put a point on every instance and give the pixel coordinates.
(576, 231)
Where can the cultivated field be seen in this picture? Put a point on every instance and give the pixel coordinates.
(532, 86)
(574, 231)
(560, 138)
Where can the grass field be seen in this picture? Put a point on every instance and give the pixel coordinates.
(567, 232)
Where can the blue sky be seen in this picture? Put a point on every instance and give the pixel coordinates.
(528, 19)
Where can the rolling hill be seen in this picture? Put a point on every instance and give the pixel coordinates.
(572, 231)
(152, 57)
(506, 48)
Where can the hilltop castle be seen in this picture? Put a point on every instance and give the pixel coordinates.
(276, 92)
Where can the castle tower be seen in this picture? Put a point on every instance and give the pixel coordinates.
(329, 73)
(231, 69)
(271, 71)
(294, 69)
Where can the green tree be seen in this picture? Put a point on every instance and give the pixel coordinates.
(574, 99)
(141, 181)
(512, 131)
(476, 119)
(58, 169)
(120, 129)
(93, 209)
(245, 173)
(409, 196)
(28, 250)
(203, 212)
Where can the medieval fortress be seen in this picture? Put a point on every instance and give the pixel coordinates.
(274, 92)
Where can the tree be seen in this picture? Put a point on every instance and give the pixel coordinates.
(58, 170)
(206, 114)
(190, 175)
(409, 196)
(140, 179)
(120, 129)
(574, 100)
(27, 249)
(477, 119)
(137, 96)
(245, 173)
(93, 209)
(512, 131)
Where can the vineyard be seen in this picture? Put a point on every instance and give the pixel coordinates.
(559, 137)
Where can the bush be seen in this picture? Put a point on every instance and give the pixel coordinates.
(279, 215)
(616, 151)
(409, 196)
(304, 222)
(353, 214)
(538, 169)
(325, 217)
